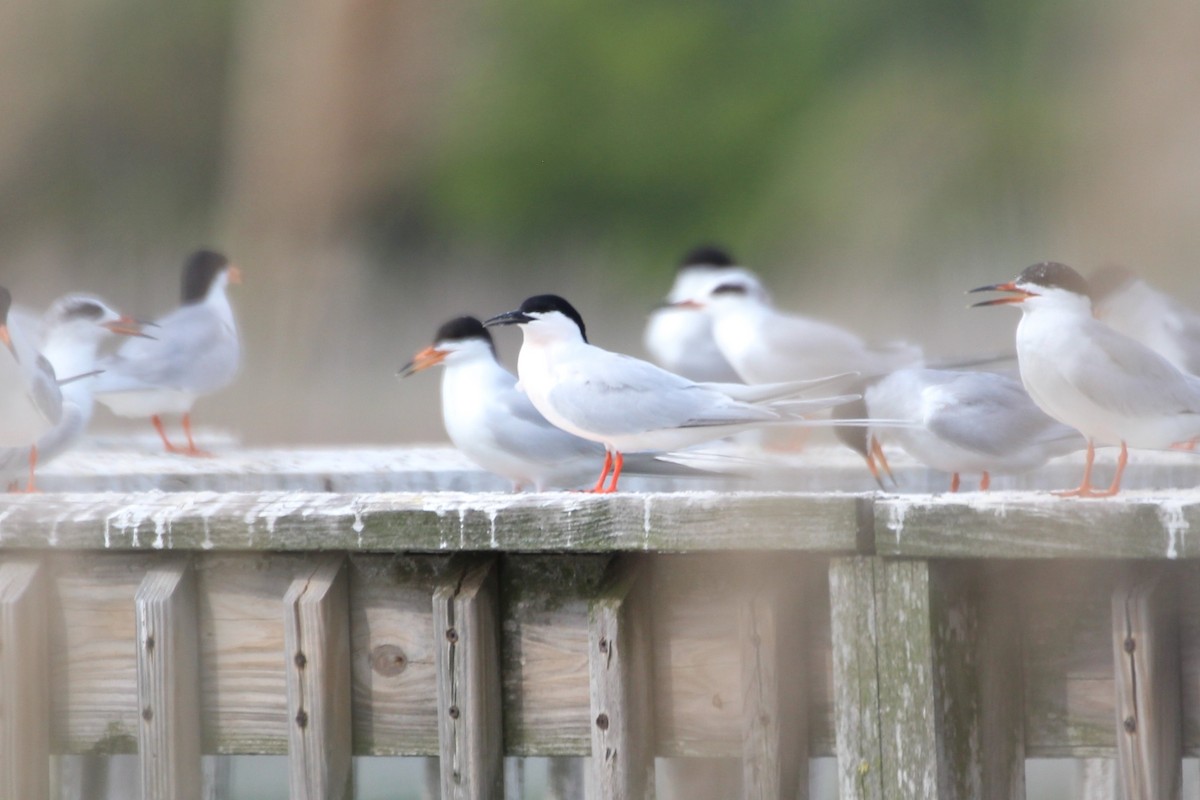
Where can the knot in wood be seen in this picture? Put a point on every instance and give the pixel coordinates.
(388, 659)
(603, 645)
(451, 635)
(147, 713)
(1130, 725)
(302, 718)
(602, 722)
(301, 660)
(150, 643)
(1130, 644)
(453, 712)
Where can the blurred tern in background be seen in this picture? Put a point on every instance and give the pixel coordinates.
(30, 399)
(977, 422)
(195, 351)
(494, 424)
(72, 331)
(682, 342)
(1111, 388)
(765, 345)
(1129, 305)
(628, 404)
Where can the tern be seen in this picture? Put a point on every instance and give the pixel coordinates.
(73, 328)
(495, 425)
(682, 342)
(1111, 388)
(195, 351)
(30, 399)
(627, 404)
(1133, 307)
(973, 422)
(766, 345)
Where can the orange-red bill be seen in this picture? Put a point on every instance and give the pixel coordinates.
(235, 274)
(429, 357)
(1016, 296)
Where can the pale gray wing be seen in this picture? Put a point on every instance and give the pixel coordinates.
(614, 394)
(1185, 324)
(1126, 377)
(988, 413)
(44, 389)
(191, 350)
(520, 429)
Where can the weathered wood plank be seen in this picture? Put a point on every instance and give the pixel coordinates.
(1149, 719)
(467, 629)
(545, 652)
(392, 641)
(434, 522)
(317, 654)
(1001, 684)
(1097, 779)
(774, 680)
(1149, 525)
(855, 634)
(24, 688)
(168, 682)
(622, 709)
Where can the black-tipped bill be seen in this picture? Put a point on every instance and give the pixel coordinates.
(128, 326)
(508, 318)
(425, 359)
(1016, 295)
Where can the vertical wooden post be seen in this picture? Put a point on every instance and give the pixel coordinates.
(854, 627)
(316, 612)
(466, 623)
(168, 680)
(774, 711)
(565, 779)
(1001, 684)
(1149, 703)
(929, 704)
(619, 660)
(1097, 779)
(217, 777)
(24, 688)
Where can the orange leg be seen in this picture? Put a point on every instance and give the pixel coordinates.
(1085, 489)
(877, 449)
(608, 460)
(192, 449)
(985, 482)
(31, 487)
(1187, 446)
(954, 482)
(618, 462)
(158, 426)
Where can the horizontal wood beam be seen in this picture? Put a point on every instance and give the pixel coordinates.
(434, 522)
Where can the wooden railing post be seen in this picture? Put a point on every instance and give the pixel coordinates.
(1149, 703)
(317, 647)
(168, 672)
(466, 617)
(926, 700)
(24, 683)
(774, 705)
(622, 703)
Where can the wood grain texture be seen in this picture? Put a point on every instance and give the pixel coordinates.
(466, 617)
(316, 616)
(1146, 653)
(168, 682)
(24, 685)
(1001, 682)
(433, 522)
(621, 692)
(1133, 525)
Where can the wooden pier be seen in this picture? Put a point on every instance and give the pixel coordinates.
(323, 609)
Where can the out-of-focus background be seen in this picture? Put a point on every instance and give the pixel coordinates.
(377, 166)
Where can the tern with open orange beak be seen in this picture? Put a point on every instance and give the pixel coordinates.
(193, 351)
(1111, 388)
(73, 329)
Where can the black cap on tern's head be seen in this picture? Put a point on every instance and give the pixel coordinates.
(706, 255)
(75, 307)
(536, 307)
(450, 338)
(1036, 280)
(731, 290)
(461, 328)
(199, 272)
